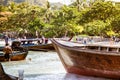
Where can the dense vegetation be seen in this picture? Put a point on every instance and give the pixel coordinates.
(96, 18)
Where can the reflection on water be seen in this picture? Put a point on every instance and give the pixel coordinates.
(42, 66)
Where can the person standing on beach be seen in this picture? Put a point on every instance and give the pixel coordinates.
(7, 50)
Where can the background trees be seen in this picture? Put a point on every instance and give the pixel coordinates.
(97, 18)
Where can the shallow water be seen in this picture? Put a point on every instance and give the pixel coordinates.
(43, 66)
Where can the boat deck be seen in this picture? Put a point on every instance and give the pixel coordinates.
(98, 47)
(104, 43)
(71, 44)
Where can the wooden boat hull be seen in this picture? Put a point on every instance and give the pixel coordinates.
(34, 45)
(15, 56)
(88, 63)
(40, 47)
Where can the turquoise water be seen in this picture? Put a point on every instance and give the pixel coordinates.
(42, 66)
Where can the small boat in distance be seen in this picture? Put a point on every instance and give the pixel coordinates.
(16, 56)
(90, 60)
(36, 44)
(19, 53)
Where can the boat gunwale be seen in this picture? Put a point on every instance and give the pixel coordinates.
(78, 48)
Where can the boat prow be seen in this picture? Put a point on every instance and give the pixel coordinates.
(89, 60)
(4, 76)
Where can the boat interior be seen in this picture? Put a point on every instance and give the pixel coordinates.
(99, 48)
(95, 47)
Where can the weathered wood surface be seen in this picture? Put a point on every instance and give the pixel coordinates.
(84, 60)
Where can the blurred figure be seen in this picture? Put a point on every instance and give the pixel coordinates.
(43, 39)
(6, 38)
(7, 50)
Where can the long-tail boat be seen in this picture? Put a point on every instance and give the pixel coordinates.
(16, 56)
(19, 53)
(89, 59)
(36, 44)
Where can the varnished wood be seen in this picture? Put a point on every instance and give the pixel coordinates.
(14, 56)
(89, 60)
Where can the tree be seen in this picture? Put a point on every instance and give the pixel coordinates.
(99, 11)
(26, 20)
(96, 28)
(65, 21)
(116, 24)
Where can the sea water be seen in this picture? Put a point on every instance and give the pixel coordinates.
(42, 66)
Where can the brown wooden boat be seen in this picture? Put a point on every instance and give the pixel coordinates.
(19, 53)
(89, 60)
(36, 45)
(16, 56)
(41, 47)
(5, 76)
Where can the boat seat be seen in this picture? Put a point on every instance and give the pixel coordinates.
(4, 76)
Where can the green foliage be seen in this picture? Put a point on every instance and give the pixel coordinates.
(97, 18)
(96, 28)
(66, 20)
(3, 8)
(116, 24)
(99, 11)
(110, 33)
(35, 25)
